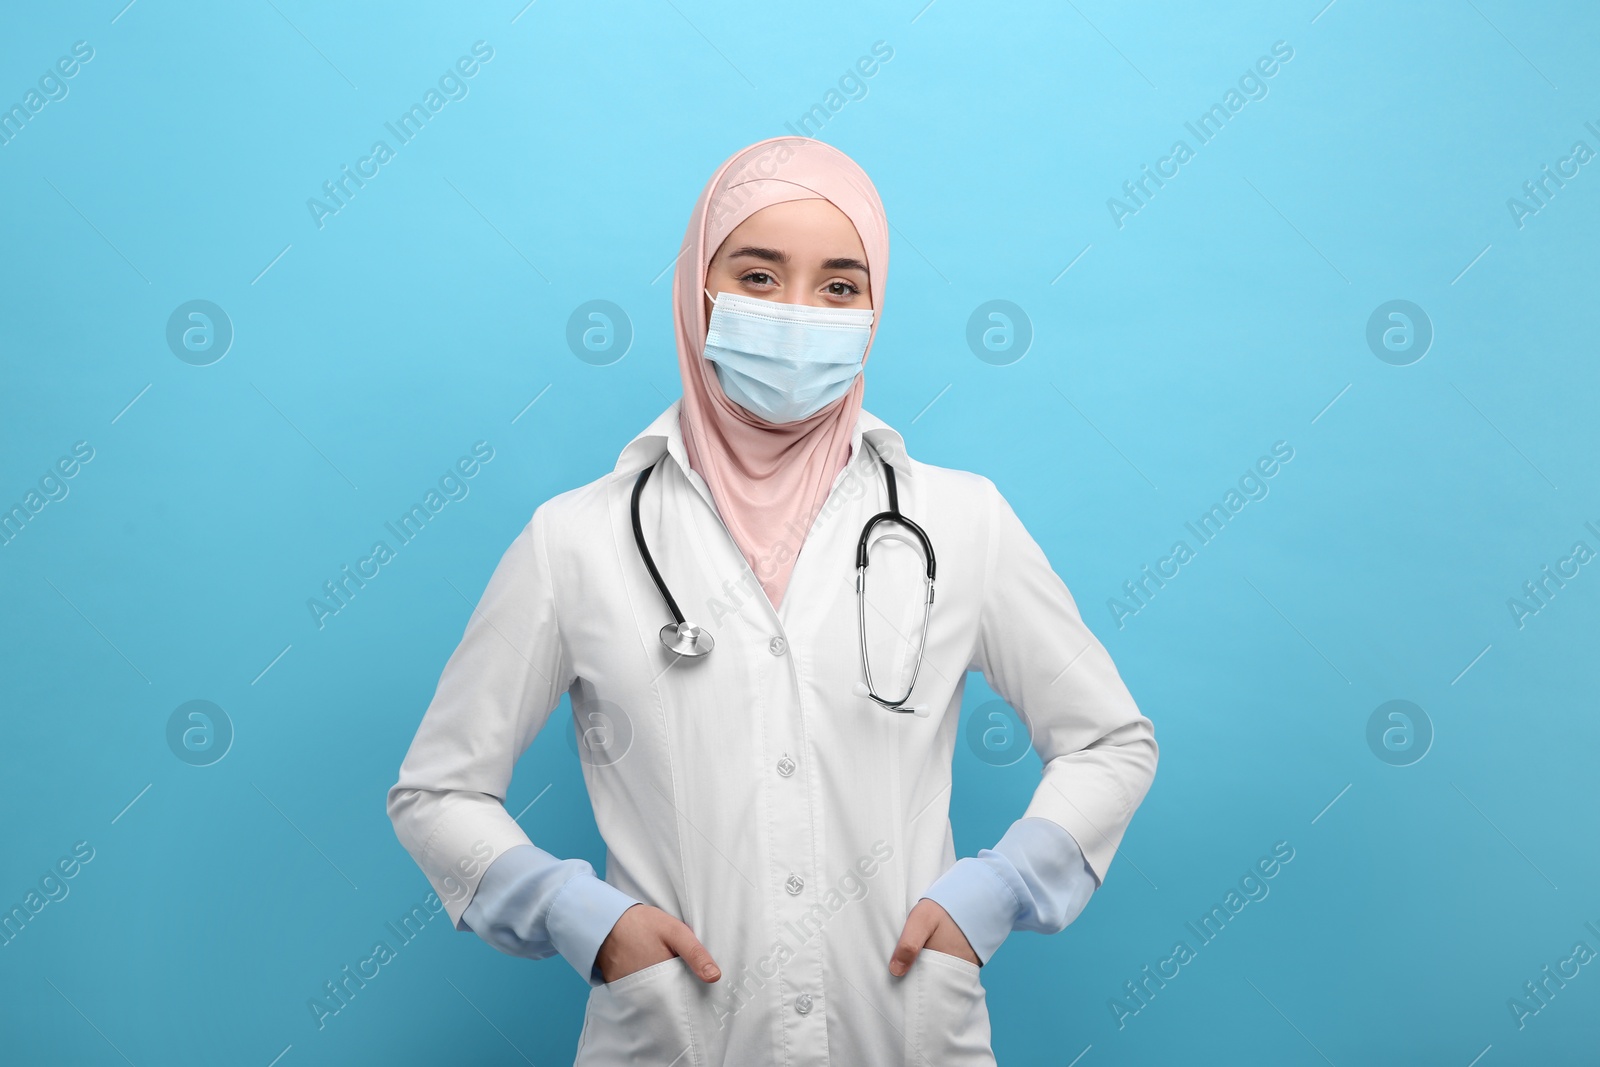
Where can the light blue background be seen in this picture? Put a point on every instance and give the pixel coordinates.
(1229, 313)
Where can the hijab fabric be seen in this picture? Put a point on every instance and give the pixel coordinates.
(768, 480)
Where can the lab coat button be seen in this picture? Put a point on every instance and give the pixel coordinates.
(794, 885)
(778, 646)
(802, 1003)
(786, 766)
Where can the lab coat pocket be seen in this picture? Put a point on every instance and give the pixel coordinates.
(948, 1024)
(641, 1018)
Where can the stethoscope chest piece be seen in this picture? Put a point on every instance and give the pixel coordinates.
(686, 639)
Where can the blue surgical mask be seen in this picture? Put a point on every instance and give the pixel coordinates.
(783, 362)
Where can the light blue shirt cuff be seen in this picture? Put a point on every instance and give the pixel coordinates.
(534, 905)
(1035, 878)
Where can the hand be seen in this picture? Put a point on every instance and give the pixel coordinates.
(929, 926)
(645, 936)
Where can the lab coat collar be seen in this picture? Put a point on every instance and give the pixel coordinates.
(665, 435)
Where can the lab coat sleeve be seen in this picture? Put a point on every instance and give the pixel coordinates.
(530, 903)
(496, 692)
(1099, 752)
(1035, 878)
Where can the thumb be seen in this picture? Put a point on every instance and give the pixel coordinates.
(680, 938)
(912, 938)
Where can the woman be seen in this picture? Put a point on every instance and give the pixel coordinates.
(781, 883)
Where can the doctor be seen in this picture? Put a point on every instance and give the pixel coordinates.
(781, 885)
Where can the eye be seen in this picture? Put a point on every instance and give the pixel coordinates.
(757, 278)
(839, 287)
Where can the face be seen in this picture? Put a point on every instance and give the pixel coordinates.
(800, 252)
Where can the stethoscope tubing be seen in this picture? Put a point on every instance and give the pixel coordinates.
(644, 549)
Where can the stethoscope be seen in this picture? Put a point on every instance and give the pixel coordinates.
(688, 639)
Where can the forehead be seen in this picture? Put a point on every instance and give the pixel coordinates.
(799, 227)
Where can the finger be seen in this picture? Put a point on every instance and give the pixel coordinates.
(680, 938)
(912, 938)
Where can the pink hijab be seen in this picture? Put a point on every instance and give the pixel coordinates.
(768, 480)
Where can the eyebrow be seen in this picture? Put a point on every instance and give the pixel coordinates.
(775, 255)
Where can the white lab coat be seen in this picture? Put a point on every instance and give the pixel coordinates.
(791, 823)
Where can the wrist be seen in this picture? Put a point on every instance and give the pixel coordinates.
(979, 902)
(581, 919)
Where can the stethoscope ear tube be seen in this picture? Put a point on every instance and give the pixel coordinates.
(866, 665)
(892, 515)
